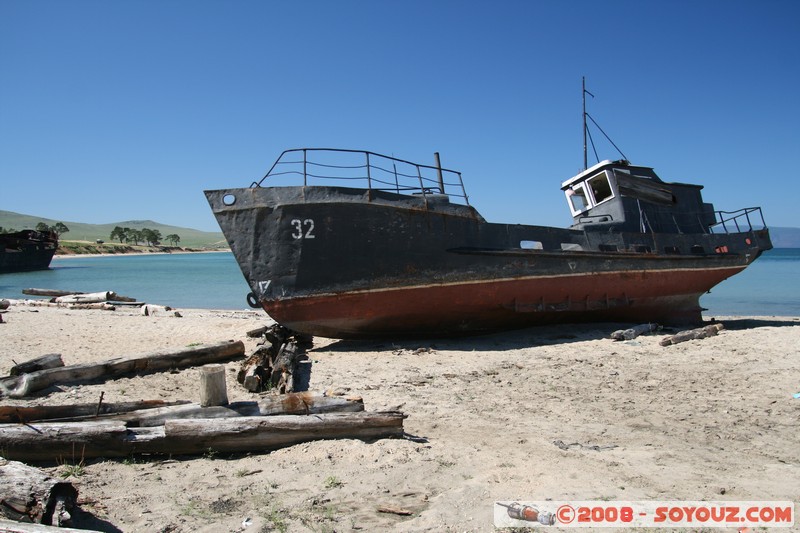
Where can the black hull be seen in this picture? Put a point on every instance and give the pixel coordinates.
(349, 263)
(26, 251)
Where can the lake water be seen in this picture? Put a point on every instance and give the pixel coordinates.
(213, 281)
(194, 280)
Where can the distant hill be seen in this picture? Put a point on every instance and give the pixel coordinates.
(78, 231)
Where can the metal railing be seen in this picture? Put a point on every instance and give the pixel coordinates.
(367, 170)
(738, 219)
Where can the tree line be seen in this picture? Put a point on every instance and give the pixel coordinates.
(59, 228)
(151, 237)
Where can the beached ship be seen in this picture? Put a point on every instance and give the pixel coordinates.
(26, 250)
(399, 251)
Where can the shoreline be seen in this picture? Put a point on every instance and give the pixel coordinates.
(122, 254)
(557, 412)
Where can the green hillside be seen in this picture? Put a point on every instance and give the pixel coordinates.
(190, 238)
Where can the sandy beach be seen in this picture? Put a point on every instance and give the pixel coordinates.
(559, 412)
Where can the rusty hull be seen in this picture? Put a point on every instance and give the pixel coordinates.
(359, 263)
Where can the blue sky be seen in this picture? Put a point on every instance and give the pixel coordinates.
(112, 111)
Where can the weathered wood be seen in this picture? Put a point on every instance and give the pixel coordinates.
(19, 414)
(394, 510)
(254, 333)
(155, 310)
(105, 306)
(635, 331)
(699, 333)
(28, 494)
(86, 298)
(283, 368)
(33, 302)
(119, 303)
(7, 526)
(253, 373)
(53, 440)
(299, 403)
(28, 383)
(256, 371)
(48, 303)
(213, 391)
(51, 360)
(49, 292)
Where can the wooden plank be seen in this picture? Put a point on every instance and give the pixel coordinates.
(21, 414)
(26, 384)
(7, 526)
(298, 403)
(48, 292)
(55, 440)
(51, 360)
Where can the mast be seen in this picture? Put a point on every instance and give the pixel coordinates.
(583, 95)
(585, 92)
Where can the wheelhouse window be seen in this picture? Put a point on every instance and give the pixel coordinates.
(578, 201)
(590, 192)
(600, 187)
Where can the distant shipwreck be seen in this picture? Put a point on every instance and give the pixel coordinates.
(26, 250)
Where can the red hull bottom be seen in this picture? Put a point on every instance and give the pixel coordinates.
(667, 297)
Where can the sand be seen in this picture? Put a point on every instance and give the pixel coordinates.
(558, 412)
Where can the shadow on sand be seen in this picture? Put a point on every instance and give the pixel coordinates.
(539, 336)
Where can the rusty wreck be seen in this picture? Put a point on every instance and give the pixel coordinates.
(365, 245)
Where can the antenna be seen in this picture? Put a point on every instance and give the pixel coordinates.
(586, 131)
(585, 92)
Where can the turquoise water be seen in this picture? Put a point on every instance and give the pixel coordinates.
(201, 281)
(767, 287)
(213, 281)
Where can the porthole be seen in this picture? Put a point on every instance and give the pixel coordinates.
(229, 199)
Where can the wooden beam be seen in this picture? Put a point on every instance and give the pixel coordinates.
(298, 403)
(51, 360)
(49, 441)
(21, 386)
(21, 414)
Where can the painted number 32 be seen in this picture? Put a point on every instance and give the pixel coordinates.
(303, 229)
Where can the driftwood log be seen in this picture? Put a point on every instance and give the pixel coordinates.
(28, 494)
(699, 333)
(255, 333)
(48, 292)
(51, 360)
(635, 331)
(19, 414)
(155, 412)
(26, 384)
(78, 440)
(298, 403)
(79, 297)
(47, 303)
(7, 526)
(87, 298)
